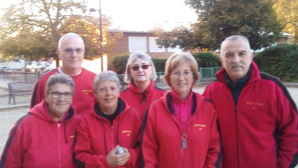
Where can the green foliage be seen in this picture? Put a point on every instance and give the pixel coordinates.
(159, 64)
(280, 61)
(217, 20)
(119, 63)
(207, 59)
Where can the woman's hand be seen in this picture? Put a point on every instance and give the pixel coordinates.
(114, 159)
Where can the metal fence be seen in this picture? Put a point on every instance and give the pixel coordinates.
(206, 74)
(17, 75)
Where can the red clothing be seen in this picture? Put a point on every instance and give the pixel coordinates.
(261, 129)
(141, 100)
(96, 137)
(162, 136)
(83, 97)
(38, 141)
(180, 107)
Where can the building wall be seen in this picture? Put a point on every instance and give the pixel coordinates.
(122, 47)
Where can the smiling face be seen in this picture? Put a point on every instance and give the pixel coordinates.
(182, 79)
(141, 74)
(236, 58)
(71, 52)
(107, 94)
(58, 106)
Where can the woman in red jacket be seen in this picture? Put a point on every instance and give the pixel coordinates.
(141, 91)
(112, 124)
(45, 136)
(180, 129)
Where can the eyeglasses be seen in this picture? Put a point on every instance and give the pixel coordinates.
(186, 74)
(136, 68)
(70, 50)
(57, 95)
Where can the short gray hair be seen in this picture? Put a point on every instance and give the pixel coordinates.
(59, 78)
(106, 75)
(132, 58)
(233, 38)
(69, 35)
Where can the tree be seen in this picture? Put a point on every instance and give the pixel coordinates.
(33, 28)
(219, 19)
(287, 14)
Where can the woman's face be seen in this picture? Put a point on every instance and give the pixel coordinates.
(182, 79)
(107, 94)
(140, 71)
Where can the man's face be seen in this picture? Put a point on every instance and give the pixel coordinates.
(71, 52)
(236, 58)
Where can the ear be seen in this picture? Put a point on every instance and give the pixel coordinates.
(58, 53)
(220, 59)
(252, 55)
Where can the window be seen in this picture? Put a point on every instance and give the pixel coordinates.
(176, 49)
(153, 46)
(137, 44)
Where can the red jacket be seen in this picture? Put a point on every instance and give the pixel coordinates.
(162, 137)
(96, 137)
(83, 97)
(38, 141)
(259, 131)
(141, 100)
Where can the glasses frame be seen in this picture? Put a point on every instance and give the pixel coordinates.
(144, 67)
(71, 51)
(57, 95)
(185, 74)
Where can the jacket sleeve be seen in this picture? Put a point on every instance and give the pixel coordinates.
(84, 156)
(38, 93)
(14, 149)
(149, 146)
(214, 150)
(287, 131)
(134, 160)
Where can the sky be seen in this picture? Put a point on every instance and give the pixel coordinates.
(142, 15)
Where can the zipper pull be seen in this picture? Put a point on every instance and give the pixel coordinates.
(184, 141)
(58, 125)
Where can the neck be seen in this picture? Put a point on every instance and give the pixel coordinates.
(142, 85)
(108, 111)
(56, 117)
(71, 72)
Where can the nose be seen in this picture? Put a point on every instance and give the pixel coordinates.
(236, 58)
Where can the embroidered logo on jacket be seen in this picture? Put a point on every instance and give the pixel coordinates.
(200, 126)
(127, 132)
(254, 105)
(87, 92)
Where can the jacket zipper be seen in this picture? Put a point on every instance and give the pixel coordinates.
(59, 146)
(237, 138)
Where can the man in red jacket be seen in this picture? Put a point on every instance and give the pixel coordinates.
(256, 114)
(71, 50)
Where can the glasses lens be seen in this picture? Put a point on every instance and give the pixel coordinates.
(135, 68)
(57, 95)
(145, 66)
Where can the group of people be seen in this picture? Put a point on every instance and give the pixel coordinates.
(245, 118)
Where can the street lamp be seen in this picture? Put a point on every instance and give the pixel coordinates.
(100, 36)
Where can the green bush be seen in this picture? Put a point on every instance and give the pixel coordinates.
(119, 63)
(206, 59)
(280, 61)
(159, 64)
